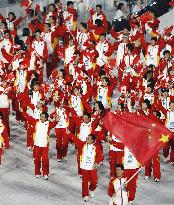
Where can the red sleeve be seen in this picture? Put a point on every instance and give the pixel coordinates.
(118, 145)
(52, 124)
(2, 18)
(18, 21)
(52, 115)
(99, 156)
(30, 119)
(77, 141)
(112, 86)
(86, 106)
(111, 190)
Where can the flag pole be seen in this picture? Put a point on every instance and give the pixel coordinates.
(123, 185)
(134, 174)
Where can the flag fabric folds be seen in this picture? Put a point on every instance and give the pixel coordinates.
(143, 136)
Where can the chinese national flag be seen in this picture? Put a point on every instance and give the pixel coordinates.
(143, 136)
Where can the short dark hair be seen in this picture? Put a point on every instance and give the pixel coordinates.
(46, 114)
(14, 16)
(119, 166)
(147, 102)
(103, 34)
(87, 114)
(63, 72)
(130, 46)
(38, 31)
(69, 3)
(166, 52)
(93, 137)
(48, 24)
(53, 17)
(84, 25)
(99, 5)
(36, 83)
(7, 31)
(154, 38)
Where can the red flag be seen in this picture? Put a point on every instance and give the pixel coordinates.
(143, 136)
(25, 3)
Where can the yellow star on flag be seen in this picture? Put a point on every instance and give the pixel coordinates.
(164, 138)
(153, 125)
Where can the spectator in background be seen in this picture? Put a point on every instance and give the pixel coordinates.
(120, 13)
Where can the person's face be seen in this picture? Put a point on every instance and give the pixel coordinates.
(60, 75)
(102, 39)
(153, 42)
(86, 119)
(76, 92)
(89, 140)
(144, 106)
(7, 35)
(96, 107)
(46, 28)
(104, 83)
(2, 26)
(98, 10)
(4, 83)
(51, 20)
(171, 72)
(42, 118)
(51, 8)
(32, 76)
(77, 58)
(10, 16)
(125, 39)
(71, 6)
(38, 36)
(167, 56)
(71, 42)
(172, 106)
(119, 172)
(83, 29)
(36, 88)
(149, 89)
(165, 94)
(21, 67)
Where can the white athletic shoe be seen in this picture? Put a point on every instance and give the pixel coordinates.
(131, 203)
(37, 176)
(92, 194)
(156, 180)
(86, 199)
(29, 148)
(45, 177)
(64, 159)
(166, 159)
(146, 177)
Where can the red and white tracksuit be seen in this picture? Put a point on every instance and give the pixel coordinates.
(5, 106)
(41, 143)
(90, 155)
(121, 195)
(130, 168)
(60, 129)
